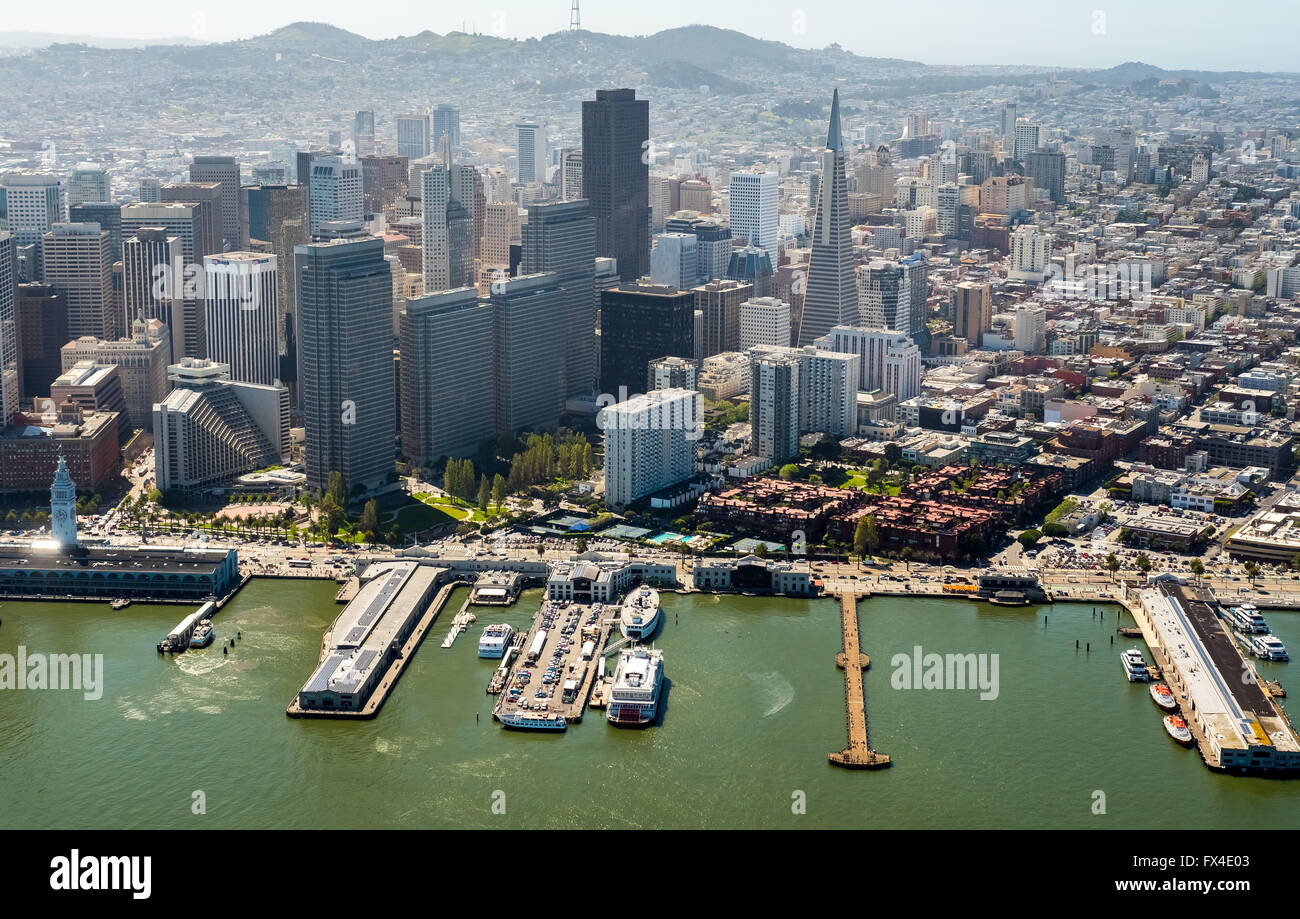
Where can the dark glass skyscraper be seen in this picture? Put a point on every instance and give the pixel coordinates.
(640, 323)
(345, 317)
(616, 177)
(831, 298)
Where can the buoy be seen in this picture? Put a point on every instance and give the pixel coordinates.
(1088, 647)
(1076, 644)
(1112, 640)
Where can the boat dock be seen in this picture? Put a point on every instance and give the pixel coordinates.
(178, 639)
(550, 672)
(499, 676)
(458, 625)
(858, 754)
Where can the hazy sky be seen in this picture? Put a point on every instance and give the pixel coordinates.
(1244, 35)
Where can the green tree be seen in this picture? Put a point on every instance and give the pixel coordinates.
(369, 522)
(484, 493)
(336, 488)
(1252, 572)
(1143, 562)
(789, 471)
(498, 490)
(866, 538)
(1112, 564)
(1197, 566)
(1029, 538)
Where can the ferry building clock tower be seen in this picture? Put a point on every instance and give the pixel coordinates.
(63, 506)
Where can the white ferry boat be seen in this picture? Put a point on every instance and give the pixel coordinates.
(1163, 696)
(494, 640)
(203, 635)
(533, 721)
(1135, 666)
(1246, 618)
(639, 616)
(1177, 729)
(1269, 647)
(638, 680)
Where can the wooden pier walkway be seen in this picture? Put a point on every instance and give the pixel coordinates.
(858, 754)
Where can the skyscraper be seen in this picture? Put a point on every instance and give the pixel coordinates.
(151, 260)
(335, 191)
(720, 302)
(972, 311)
(345, 295)
(753, 199)
(30, 204)
(528, 355)
(571, 173)
(11, 368)
(87, 182)
(561, 237)
(241, 293)
(616, 177)
(108, 214)
(638, 324)
(774, 405)
(649, 443)
(188, 223)
(43, 330)
(448, 374)
(452, 193)
(277, 215)
(77, 264)
(831, 297)
(363, 132)
(530, 146)
(414, 138)
(446, 123)
(224, 170)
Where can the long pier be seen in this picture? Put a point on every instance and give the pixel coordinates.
(858, 754)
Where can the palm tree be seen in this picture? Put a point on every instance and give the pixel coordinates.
(1252, 572)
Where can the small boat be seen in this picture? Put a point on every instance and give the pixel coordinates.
(120, 603)
(1269, 648)
(1135, 666)
(1177, 729)
(1246, 618)
(1163, 696)
(203, 634)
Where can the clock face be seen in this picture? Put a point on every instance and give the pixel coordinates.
(61, 515)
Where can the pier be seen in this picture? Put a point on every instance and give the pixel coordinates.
(858, 754)
(555, 643)
(458, 625)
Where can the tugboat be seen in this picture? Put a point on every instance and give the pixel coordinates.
(1177, 729)
(1163, 696)
(203, 634)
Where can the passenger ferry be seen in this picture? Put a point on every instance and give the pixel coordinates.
(1135, 666)
(1246, 618)
(1269, 647)
(533, 721)
(203, 634)
(494, 640)
(638, 681)
(1177, 729)
(1163, 696)
(639, 616)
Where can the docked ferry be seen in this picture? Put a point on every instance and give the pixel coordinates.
(1246, 618)
(1269, 648)
(638, 681)
(1177, 729)
(639, 616)
(203, 634)
(533, 721)
(494, 640)
(1135, 666)
(1163, 696)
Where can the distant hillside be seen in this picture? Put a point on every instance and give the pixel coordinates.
(25, 40)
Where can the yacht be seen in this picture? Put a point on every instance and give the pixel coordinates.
(1163, 696)
(1135, 666)
(203, 634)
(1177, 729)
(1268, 647)
(638, 680)
(1246, 618)
(533, 721)
(639, 616)
(494, 640)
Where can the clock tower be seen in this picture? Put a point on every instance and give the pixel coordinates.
(63, 506)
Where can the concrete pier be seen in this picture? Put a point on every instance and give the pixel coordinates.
(858, 754)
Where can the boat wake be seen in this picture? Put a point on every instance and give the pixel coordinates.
(772, 690)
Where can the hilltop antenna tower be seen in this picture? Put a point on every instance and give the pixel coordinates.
(575, 18)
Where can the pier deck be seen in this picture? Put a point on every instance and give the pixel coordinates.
(858, 754)
(569, 664)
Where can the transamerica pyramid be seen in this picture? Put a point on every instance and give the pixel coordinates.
(831, 297)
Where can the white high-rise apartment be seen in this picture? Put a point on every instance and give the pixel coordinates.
(826, 387)
(774, 405)
(649, 443)
(887, 359)
(242, 308)
(764, 321)
(531, 149)
(1030, 251)
(753, 214)
(1026, 139)
(1031, 329)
